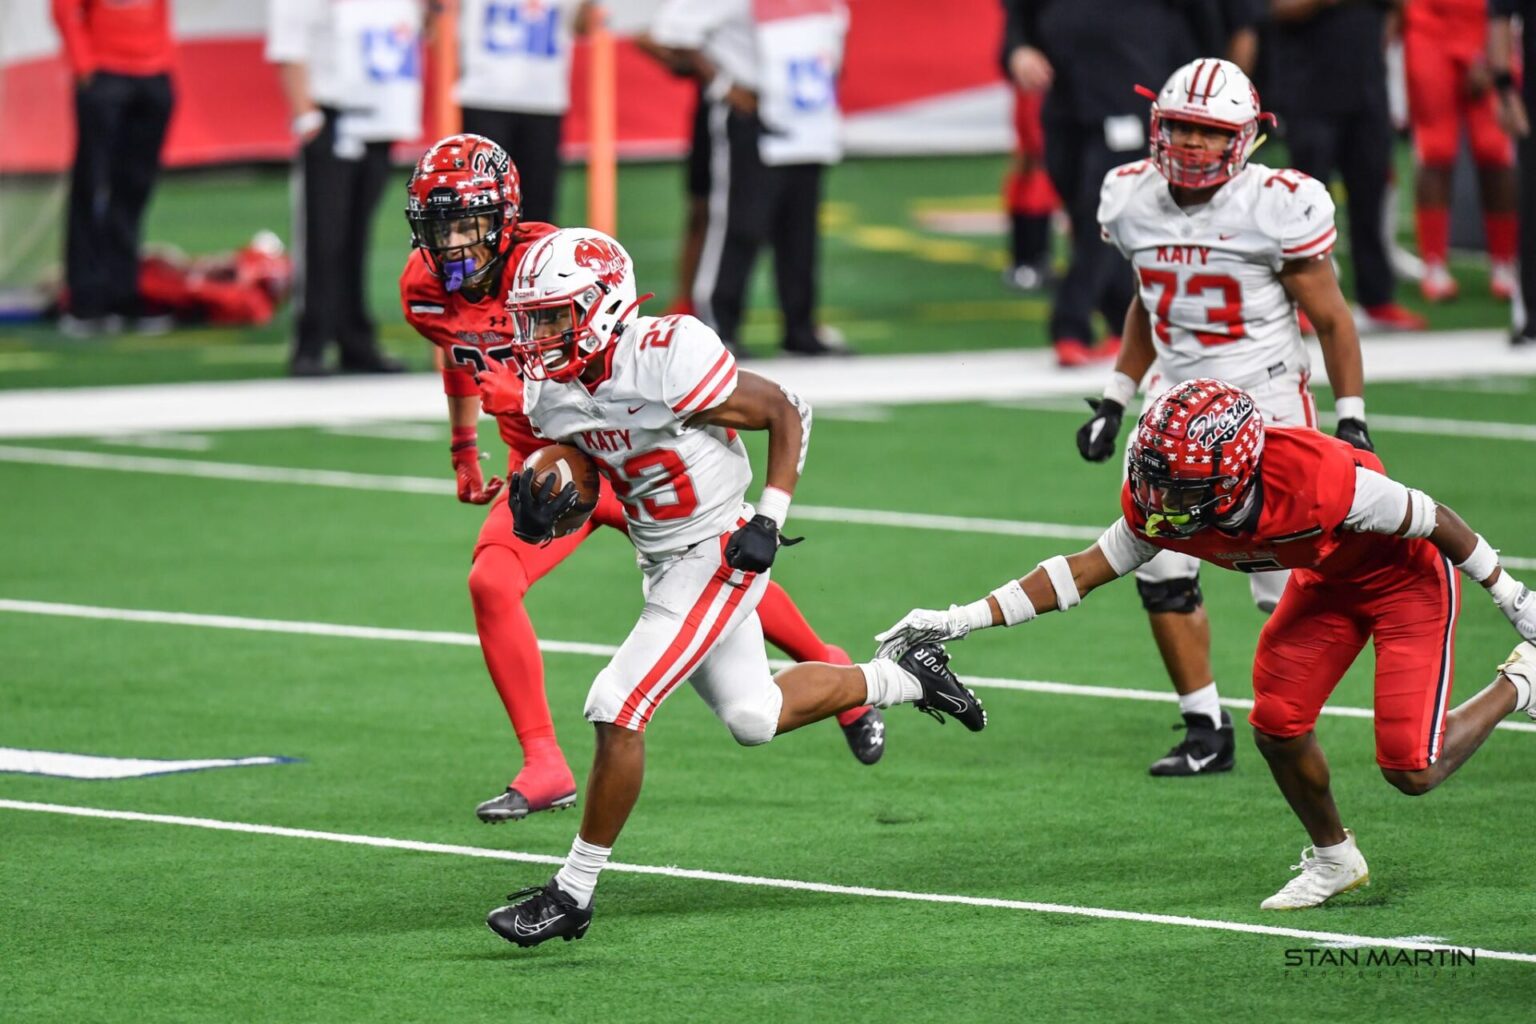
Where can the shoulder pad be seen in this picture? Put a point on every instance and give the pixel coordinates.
(1296, 211)
(1120, 184)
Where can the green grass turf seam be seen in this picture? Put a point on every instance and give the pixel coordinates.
(824, 888)
(345, 479)
(448, 638)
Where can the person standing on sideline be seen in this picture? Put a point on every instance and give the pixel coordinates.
(351, 70)
(1515, 104)
(515, 84)
(120, 54)
(769, 73)
(1329, 80)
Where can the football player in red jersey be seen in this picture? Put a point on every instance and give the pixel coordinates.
(463, 207)
(1371, 559)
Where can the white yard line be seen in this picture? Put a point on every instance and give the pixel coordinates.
(347, 632)
(442, 486)
(757, 881)
(867, 380)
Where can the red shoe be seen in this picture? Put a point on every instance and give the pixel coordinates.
(1107, 350)
(547, 786)
(1502, 281)
(1437, 285)
(1072, 352)
(1304, 323)
(1389, 316)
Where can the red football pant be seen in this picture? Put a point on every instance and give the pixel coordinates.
(1317, 631)
(1439, 106)
(505, 567)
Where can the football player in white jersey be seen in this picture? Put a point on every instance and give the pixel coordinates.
(657, 402)
(1224, 252)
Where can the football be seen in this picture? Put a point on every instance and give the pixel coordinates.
(568, 465)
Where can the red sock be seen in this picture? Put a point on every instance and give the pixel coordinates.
(1503, 231)
(1434, 224)
(497, 584)
(786, 629)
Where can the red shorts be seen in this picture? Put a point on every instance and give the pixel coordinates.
(1317, 631)
(1439, 105)
(539, 559)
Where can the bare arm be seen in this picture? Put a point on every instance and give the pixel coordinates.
(463, 411)
(1090, 570)
(760, 404)
(1312, 284)
(1136, 351)
(301, 105)
(1243, 49)
(1291, 11)
(1513, 117)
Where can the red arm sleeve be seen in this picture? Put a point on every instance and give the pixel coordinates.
(69, 18)
(459, 382)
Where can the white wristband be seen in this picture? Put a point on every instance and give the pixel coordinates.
(775, 505)
(1061, 578)
(973, 616)
(1479, 565)
(1350, 408)
(1014, 603)
(1121, 388)
(309, 121)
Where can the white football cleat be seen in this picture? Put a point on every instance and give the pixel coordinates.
(1521, 664)
(1502, 280)
(1320, 880)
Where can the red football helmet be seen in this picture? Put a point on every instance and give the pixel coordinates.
(1195, 456)
(464, 203)
(1208, 92)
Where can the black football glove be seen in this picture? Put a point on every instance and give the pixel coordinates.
(537, 510)
(1355, 433)
(1096, 438)
(751, 548)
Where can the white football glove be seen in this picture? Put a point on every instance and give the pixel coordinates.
(1520, 609)
(922, 626)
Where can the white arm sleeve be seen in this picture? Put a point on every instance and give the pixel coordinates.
(1125, 551)
(804, 409)
(1380, 504)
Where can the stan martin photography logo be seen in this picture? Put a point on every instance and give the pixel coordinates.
(1378, 958)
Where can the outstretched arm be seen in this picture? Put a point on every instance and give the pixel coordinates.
(1060, 583)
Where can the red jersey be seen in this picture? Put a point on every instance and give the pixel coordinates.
(1307, 487)
(467, 333)
(126, 37)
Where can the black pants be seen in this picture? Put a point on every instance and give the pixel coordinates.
(333, 225)
(1358, 146)
(120, 126)
(1098, 278)
(752, 204)
(533, 143)
(1527, 158)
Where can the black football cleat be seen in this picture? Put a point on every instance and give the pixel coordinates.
(866, 736)
(943, 694)
(1204, 751)
(548, 913)
(513, 806)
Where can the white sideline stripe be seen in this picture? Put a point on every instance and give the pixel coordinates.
(327, 629)
(434, 485)
(758, 881)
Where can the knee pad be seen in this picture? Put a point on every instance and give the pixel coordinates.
(1181, 595)
(753, 723)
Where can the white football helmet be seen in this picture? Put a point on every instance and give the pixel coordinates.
(572, 296)
(1209, 92)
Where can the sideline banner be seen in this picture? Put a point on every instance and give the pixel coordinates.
(919, 77)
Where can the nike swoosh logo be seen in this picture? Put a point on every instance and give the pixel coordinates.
(1226, 238)
(960, 705)
(1197, 763)
(637, 408)
(519, 928)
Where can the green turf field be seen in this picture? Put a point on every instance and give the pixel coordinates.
(399, 738)
(896, 278)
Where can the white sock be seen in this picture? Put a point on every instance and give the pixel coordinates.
(1203, 701)
(1337, 854)
(578, 876)
(888, 683)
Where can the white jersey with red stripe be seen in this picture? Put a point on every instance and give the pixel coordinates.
(679, 484)
(1209, 275)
